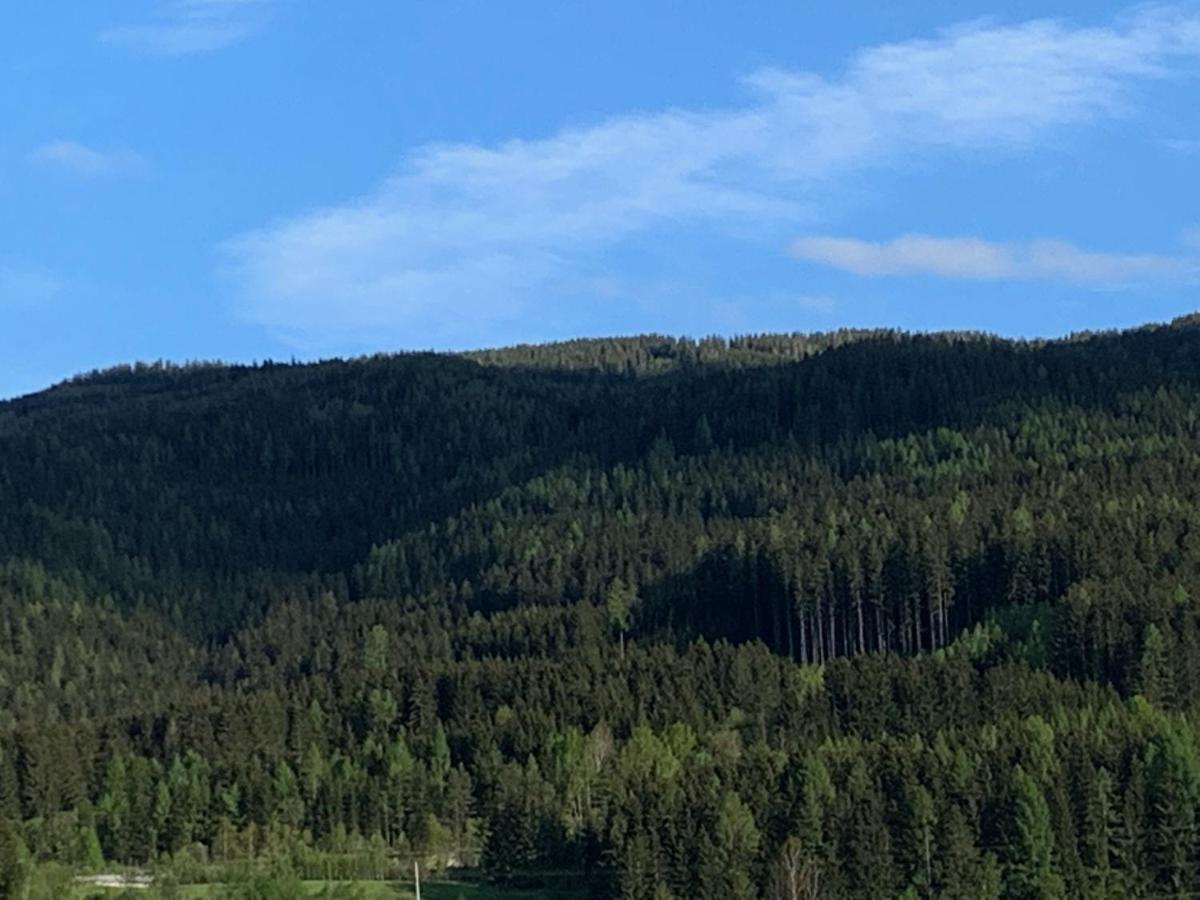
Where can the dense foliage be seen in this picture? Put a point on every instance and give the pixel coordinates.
(854, 615)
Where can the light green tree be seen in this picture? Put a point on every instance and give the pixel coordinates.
(14, 867)
(1154, 671)
(1030, 872)
(376, 650)
(619, 603)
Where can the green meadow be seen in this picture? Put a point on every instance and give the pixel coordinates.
(376, 890)
(348, 890)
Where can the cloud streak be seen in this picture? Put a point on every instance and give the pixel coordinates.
(88, 162)
(186, 27)
(467, 233)
(1182, 146)
(971, 258)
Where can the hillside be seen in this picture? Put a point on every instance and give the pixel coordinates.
(866, 612)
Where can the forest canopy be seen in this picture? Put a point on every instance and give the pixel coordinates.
(863, 614)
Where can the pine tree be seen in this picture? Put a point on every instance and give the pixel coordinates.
(14, 869)
(1154, 669)
(1030, 871)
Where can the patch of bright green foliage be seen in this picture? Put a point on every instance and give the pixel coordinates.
(55, 882)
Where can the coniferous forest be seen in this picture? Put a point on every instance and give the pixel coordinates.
(855, 615)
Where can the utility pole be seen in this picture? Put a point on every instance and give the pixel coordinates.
(417, 877)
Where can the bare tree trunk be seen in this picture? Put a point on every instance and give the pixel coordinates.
(917, 624)
(795, 877)
(931, 623)
(803, 621)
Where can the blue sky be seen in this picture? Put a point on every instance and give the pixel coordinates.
(252, 179)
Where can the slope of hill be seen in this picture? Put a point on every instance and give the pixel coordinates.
(870, 611)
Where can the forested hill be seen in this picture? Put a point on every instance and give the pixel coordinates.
(874, 612)
(154, 482)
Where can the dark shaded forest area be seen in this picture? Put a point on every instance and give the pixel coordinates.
(864, 614)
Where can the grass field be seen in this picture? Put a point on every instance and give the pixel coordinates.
(56, 882)
(374, 890)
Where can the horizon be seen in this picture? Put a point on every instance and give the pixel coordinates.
(463, 177)
(83, 375)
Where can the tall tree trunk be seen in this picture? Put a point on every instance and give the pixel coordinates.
(820, 633)
(916, 619)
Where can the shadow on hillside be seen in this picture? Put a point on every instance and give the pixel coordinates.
(741, 595)
(303, 444)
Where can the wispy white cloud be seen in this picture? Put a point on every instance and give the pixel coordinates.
(462, 234)
(23, 285)
(971, 258)
(1183, 146)
(185, 27)
(80, 159)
